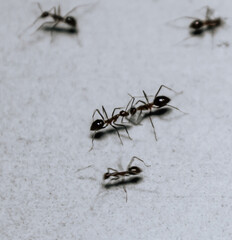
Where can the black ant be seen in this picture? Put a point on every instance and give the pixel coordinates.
(131, 171)
(103, 123)
(55, 14)
(199, 26)
(157, 103)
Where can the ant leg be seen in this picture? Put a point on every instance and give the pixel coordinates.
(99, 114)
(132, 160)
(139, 115)
(124, 188)
(130, 103)
(39, 28)
(52, 28)
(140, 101)
(116, 109)
(117, 132)
(39, 6)
(114, 178)
(176, 108)
(93, 137)
(80, 169)
(112, 169)
(58, 10)
(152, 125)
(104, 111)
(145, 95)
(121, 125)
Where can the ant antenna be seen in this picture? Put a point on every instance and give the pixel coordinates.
(132, 160)
(176, 108)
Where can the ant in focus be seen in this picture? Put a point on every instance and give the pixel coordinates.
(131, 171)
(157, 103)
(103, 123)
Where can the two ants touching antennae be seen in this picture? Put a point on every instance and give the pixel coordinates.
(157, 103)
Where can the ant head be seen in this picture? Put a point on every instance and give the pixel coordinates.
(97, 125)
(161, 101)
(44, 14)
(134, 170)
(132, 110)
(70, 21)
(123, 113)
(196, 24)
(106, 175)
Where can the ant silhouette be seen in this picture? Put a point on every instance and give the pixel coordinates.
(55, 14)
(131, 171)
(157, 103)
(103, 123)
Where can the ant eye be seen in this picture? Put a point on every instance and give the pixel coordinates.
(97, 124)
(45, 14)
(197, 24)
(70, 21)
(134, 170)
(161, 101)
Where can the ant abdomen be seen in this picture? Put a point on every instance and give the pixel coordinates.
(70, 21)
(97, 125)
(161, 101)
(134, 170)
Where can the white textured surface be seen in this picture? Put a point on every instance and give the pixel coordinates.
(48, 93)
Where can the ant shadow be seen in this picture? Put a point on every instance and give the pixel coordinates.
(63, 30)
(129, 181)
(202, 32)
(100, 135)
(159, 112)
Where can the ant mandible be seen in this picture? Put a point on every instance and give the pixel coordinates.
(103, 123)
(130, 171)
(157, 103)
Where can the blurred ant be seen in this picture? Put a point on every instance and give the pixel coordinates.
(55, 14)
(199, 26)
(157, 103)
(103, 123)
(131, 171)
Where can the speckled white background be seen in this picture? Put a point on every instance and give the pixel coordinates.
(48, 92)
